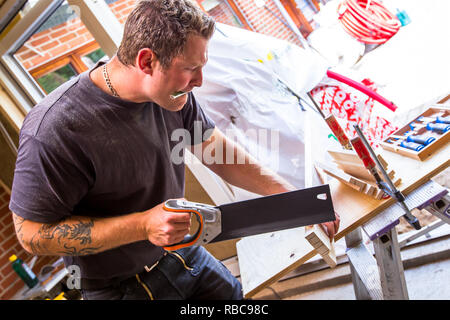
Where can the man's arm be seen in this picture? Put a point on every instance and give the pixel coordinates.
(248, 174)
(85, 235)
(239, 168)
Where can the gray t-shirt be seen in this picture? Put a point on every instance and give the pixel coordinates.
(86, 153)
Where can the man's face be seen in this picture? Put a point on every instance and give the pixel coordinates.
(183, 74)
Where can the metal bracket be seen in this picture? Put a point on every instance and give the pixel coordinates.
(429, 192)
(440, 208)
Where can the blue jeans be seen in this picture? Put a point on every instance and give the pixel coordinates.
(188, 273)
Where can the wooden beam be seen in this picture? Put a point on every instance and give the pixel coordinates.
(101, 23)
(297, 16)
(316, 4)
(234, 7)
(11, 117)
(349, 180)
(11, 112)
(322, 244)
(7, 156)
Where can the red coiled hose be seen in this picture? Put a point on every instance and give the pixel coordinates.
(368, 21)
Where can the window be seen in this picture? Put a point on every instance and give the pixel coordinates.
(46, 44)
(55, 72)
(54, 79)
(281, 18)
(225, 11)
(92, 58)
(59, 49)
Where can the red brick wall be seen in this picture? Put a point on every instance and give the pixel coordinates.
(265, 22)
(10, 282)
(223, 14)
(64, 38)
(262, 20)
(72, 34)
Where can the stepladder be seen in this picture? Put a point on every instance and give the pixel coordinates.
(379, 275)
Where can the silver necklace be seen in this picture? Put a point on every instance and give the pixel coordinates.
(108, 82)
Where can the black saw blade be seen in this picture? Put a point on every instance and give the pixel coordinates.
(276, 212)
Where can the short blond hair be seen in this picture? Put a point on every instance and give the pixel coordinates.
(162, 26)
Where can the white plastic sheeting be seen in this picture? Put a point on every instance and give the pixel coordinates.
(246, 101)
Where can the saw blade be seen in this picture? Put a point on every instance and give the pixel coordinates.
(276, 212)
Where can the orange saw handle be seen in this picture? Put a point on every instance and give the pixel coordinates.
(189, 240)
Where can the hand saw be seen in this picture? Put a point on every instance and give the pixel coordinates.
(255, 216)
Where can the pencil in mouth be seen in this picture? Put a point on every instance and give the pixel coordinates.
(178, 94)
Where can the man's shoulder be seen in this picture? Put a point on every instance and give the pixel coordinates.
(52, 111)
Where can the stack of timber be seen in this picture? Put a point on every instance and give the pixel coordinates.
(349, 169)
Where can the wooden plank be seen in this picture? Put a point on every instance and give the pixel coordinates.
(360, 171)
(345, 155)
(11, 111)
(265, 259)
(314, 234)
(342, 176)
(382, 161)
(322, 243)
(365, 187)
(352, 157)
(11, 118)
(370, 190)
(260, 268)
(349, 162)
(355, 169)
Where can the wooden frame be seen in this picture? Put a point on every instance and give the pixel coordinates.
(72, 57)
(13, 78)
(237, 12)
(101, 23)
(355, 174)
(316, 4)
(297, 16)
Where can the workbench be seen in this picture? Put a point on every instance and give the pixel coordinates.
(265, 259)
(412, 70)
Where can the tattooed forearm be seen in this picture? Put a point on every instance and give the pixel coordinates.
(74, 231)
(18, 223)
(73, 238)
(72, 251)
(79, 235)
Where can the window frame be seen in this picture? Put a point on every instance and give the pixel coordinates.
(17, 81)
(13, 77)
(72, 57)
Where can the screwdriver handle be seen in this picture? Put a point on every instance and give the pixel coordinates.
(439, 127)
(443, 120)
(338, 132)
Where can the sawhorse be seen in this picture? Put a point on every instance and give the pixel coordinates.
(382, 276)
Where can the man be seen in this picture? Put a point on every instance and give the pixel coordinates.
(94, 165)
